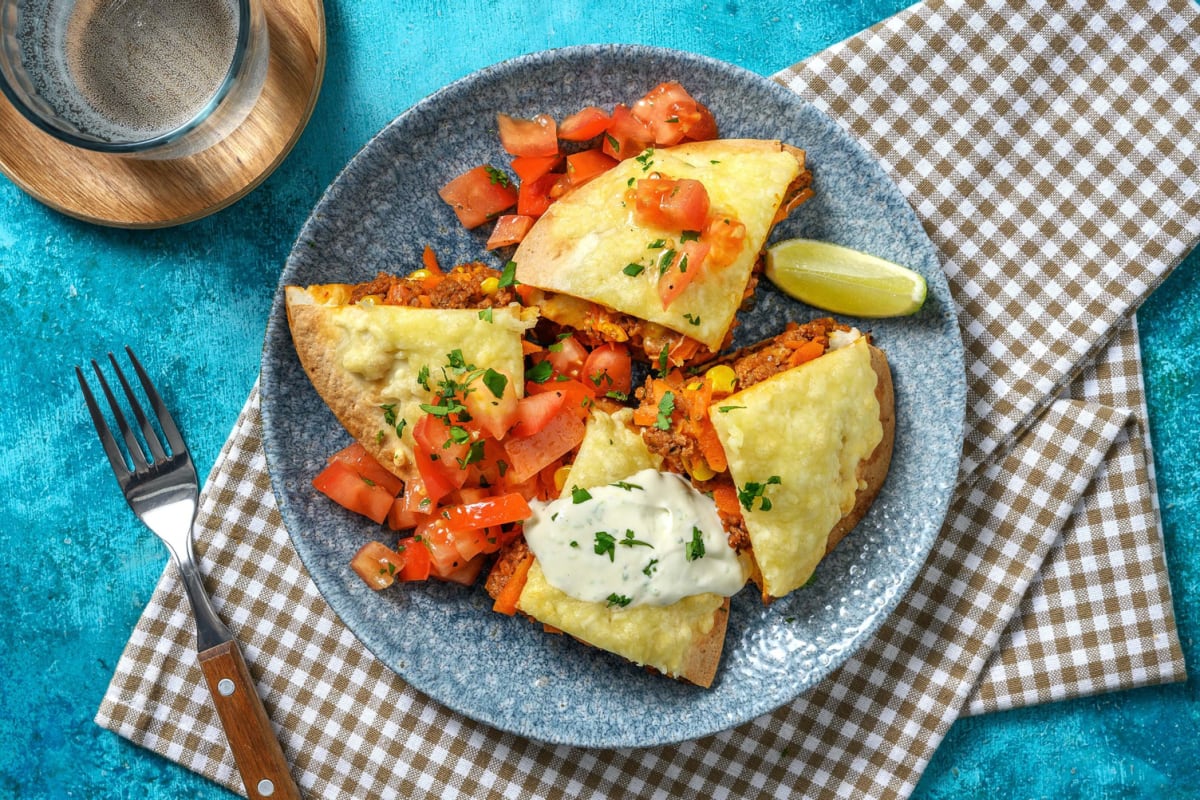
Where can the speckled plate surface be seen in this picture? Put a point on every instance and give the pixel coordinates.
(444, 640)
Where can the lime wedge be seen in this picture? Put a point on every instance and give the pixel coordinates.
(844, 281)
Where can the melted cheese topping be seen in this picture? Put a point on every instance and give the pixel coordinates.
(800, 436)
(586, 239)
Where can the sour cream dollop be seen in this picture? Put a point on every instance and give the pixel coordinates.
(650, 539)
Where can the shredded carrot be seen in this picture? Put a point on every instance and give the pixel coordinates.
(710, 446)
(506, 598)
(806, 351)
(726, 498)
(429, 260)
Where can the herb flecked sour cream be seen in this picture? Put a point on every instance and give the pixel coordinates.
(650, 539)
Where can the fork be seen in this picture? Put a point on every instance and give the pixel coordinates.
(163, 491)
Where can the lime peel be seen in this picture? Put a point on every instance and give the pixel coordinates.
(843, 280)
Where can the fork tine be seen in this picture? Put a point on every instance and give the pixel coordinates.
(115, 458)
(135, 450)
(165, 420)
(148, 432)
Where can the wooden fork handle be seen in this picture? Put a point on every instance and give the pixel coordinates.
(256, 750)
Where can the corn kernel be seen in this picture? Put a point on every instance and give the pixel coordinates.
(699, 469)
(560, 477)
(489, 285)
(722, 378)
(419, 274)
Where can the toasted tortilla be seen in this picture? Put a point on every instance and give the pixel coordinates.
(683, 640)
(366, 360)
(583, 243)
(815, 443)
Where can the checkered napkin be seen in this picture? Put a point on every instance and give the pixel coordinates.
(1051, 155)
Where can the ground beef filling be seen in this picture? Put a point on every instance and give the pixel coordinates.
(471, 285)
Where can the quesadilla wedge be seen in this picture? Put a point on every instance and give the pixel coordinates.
(793, 436)
(660, 250)
(680, 629)
(372, 362)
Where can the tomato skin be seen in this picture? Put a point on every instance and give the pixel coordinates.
(530, 168)
(340, 483)
(577, 398)
(704, 128)
(537, 137)
(726, 237)
(609, 368)
(678, 205)
(534, 198)
(478, 195)
(510, 229)
(534, 412)
(587, 164)
(669, 111)
(566, 356)
(377, 564)
(437, 463)
(498, 510)
(416, 559)
(357, 458)
(527, 456)
(627, 136)
(586, 123)
(685, 266)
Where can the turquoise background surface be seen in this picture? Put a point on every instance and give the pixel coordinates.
(76, 568)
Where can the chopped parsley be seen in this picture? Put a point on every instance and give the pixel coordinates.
(496, 176)
(649, 569)
(757, 491)
(693, 319)
(485, 314)
(606, 544)
(508, 276)
(657, 244)
(663, 360)
(631, 541)
(423, 377)
(474, 454)
(626, 485)
(689, 236)
(618, 600)
(646, 159)
(727, 409)
(539, 372)
(613, 143)
(633, 270)
(695, 548)
(665, 261)
(580, 495)
(666, 407)
(495, 382)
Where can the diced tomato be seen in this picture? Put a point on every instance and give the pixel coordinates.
(510, 229)
(584, 124)
(466, 575)
(530, 168)
(439, 541)
(416, 559)
(577, 397)
(438, 458)
(534, 198)
(343, 485)
(587, 164)
(609, 368)
(498, 510)
(357, 458)
(400, 517)
(669, 111)
(479, 195)
(537, 137)
(677, 205)
(705, 128)
(685, 266)
(528, 455)
(627, 136)
(377, 564)
(534, 412)
(726, 237)
(566, 356)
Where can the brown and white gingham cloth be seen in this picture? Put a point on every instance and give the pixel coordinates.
(1052, 156)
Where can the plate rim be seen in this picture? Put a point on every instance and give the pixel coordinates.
(446, 93)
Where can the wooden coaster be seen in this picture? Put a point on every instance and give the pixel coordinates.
(136, 193)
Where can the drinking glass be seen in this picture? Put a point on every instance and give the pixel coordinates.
(143, 78)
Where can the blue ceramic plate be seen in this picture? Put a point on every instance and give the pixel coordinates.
(444, 639)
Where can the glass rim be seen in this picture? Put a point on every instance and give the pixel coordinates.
(162, 139)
